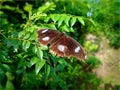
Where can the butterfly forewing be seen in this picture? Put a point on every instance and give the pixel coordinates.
(47, 36)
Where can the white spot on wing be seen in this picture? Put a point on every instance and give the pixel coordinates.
(85, 56)
(77, 49)
(61, 48)
(45, 38)
(44, 30)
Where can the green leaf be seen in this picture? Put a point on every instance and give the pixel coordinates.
(46, 19)
(63, 62)
(9, 85)
(73, 20)
(80, 19)
(5, 67)
(21, 34)
(66, 28)
(39, 65)
(75, 70)
(25, 45)
(92, 22)
(47, 69)
(34, 49)
(61, 19)
(72, 30)
(52, 26)
(46, 7)
(44, 48)
(67, 19)
(33, 36)
(27, 36)
(34, 60)
(29, 29)
(7, 7)
(38, 16)
(40, 53)
(55, 17)
(28, 7)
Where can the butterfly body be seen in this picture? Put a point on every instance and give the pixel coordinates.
(61, 44)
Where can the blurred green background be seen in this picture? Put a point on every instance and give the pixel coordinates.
(24, 64)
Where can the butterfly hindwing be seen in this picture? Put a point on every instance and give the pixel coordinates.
(59, 47)
(76, 49)
(67, 47)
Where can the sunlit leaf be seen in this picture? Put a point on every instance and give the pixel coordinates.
(27, 36)
(47, 6)
(61, 19)
(80, 19)
(25, 45)
(73, 20)
(32, 36)
(28, 7)
(55, 17)
(66, 28)
(29, 30)
(39, 52)
(52, 26)
(34, 49)
(44, 47)
(46, 19)
(72, 30)
(39, 65)
(34, 60)
(21, 34)
(67, 19)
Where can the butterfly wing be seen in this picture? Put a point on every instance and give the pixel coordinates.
(47, 36)
(59, 47)
(76, 49)
(68, 47)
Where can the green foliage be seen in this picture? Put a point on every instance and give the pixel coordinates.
(108, 20)
(24, 64)
(64, 22)
(91, 47)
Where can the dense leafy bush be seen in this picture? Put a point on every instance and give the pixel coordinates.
(107, 16)
(24, 64)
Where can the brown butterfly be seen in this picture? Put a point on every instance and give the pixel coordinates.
(61, 44)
